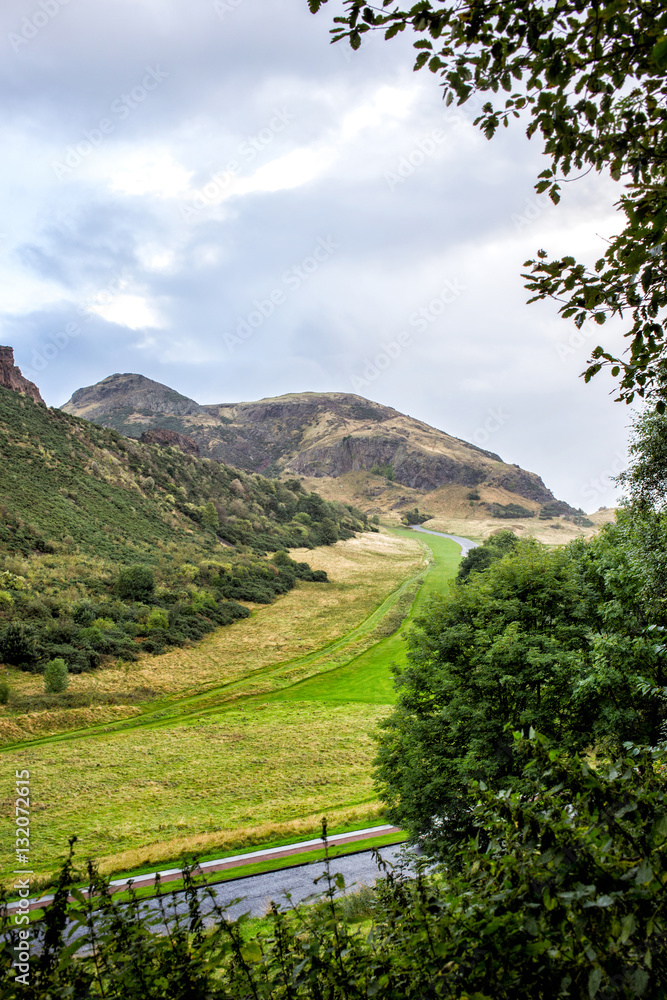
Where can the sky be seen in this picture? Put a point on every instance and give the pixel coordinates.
(214, 196)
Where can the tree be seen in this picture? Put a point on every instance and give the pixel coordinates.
(56, 676)
(135, 583)
(17, 646)
(589, 77)
(521, 642)
(483, 555)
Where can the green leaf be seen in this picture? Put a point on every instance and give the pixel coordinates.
(659, 54)
(628, 927)
(594, 980)
(251, 952)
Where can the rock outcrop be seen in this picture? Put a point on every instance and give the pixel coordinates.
(173, 439)
(11, 377)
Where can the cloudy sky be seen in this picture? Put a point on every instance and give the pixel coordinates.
(212, 195)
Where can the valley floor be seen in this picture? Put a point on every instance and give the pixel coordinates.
(251, 736)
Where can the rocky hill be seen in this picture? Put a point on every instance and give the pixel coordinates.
(12, 378)
(324, 436)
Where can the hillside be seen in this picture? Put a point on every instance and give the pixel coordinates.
(110, 546)
(352, 447)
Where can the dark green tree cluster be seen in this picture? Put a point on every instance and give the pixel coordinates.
(565, 641)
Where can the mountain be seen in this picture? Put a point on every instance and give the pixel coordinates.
(320, 436)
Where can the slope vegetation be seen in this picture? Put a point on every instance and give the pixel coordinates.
(110, 547)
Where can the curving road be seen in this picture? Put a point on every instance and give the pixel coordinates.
(254, 893)
(465, 543)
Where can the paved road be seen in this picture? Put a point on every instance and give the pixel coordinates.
(256, 891)
(465, 543)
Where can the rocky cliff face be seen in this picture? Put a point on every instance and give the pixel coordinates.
(11, 377)
(316, 435)
(173, 439)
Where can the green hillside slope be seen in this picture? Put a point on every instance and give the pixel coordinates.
(81, 508)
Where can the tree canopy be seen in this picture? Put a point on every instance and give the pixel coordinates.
(550, 640)
(589, 77)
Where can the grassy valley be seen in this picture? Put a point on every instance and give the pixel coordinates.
(237, 693)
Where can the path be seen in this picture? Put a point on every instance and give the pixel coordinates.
(465, 543)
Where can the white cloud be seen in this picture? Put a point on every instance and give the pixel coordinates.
(153, 172)
(132, 311)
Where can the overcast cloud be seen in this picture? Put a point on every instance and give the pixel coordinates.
(212, 195)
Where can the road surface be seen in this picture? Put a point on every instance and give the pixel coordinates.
(465, 543)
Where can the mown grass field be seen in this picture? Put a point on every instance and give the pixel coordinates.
(363, 572)
(368, 677)
(227, 776)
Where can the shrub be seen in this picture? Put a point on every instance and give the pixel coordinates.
(17, 646)
(4, 692)
(415, 516)
(135, 583)
(56, 676)
(157, 619)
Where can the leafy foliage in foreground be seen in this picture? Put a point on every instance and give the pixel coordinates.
(589, 77)
(561, 893)
(109, 547)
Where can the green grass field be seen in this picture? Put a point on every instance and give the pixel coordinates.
(368, 678)
(232, 776)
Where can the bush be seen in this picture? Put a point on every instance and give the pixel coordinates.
(56, 676)
(414, 516)
(157, 619)
(17, 646)
(4, 692)
(508, 510)
(565, 899)
(135, 583)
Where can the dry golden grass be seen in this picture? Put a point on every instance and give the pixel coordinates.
(199, 844)
(543, 531)
(203, 783)
(363, 571)
(452, 511)
(35, 724)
